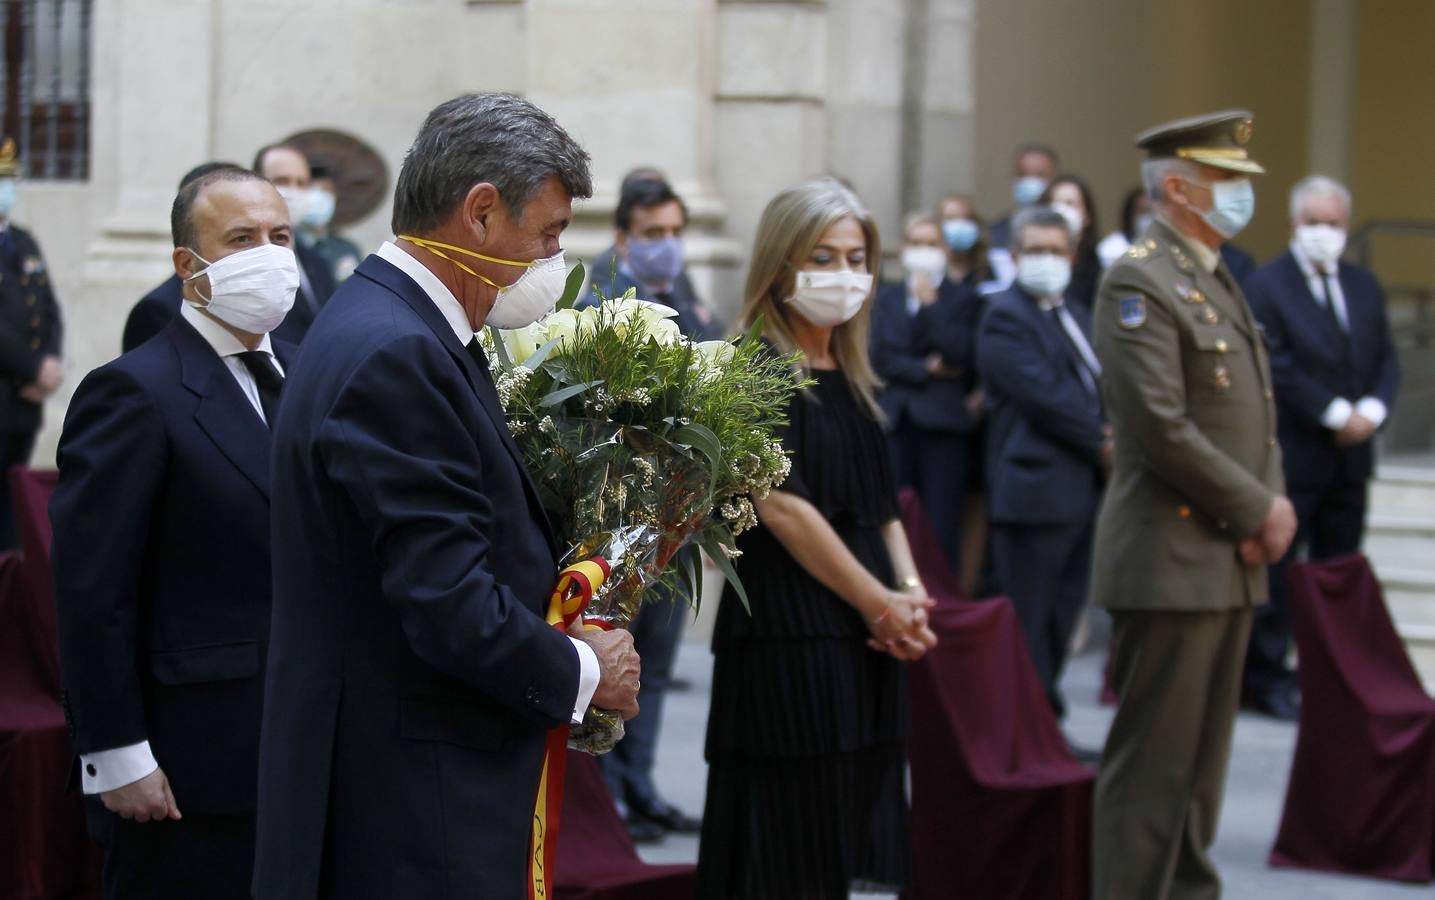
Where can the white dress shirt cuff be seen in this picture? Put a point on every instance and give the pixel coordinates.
(106, 770)
(1337, 414)
(587, 679)
(1373, 409)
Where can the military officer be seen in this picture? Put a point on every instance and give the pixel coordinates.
(1193, 513)
(30, 333)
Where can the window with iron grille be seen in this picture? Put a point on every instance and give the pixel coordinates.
(46, 88)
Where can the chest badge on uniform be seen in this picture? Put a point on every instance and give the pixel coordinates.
(1208, 315)
(1222, 378)
(33, 264)
(1190, 293)
(1132, 311)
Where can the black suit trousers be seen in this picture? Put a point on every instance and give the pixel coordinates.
(209, 856)
(936, 464)
(1046, 571)
(1330, 521)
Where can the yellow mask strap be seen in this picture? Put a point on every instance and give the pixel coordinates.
(437, 248)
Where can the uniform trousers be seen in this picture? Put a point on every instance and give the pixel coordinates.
(208, 856)
(1330, 521)
(1045, 569)
(937, 465)
(15, 447)
(1163, 771)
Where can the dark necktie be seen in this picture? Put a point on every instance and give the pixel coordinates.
(267, 377)
(1327, 280)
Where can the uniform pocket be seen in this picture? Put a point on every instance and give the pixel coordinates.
(196, 665)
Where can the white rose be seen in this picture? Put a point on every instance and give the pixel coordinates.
(641, 314)
(716, 354)
(522, 343)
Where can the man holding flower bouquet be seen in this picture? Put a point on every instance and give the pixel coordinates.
(412, 676)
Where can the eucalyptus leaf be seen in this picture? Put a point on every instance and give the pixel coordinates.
(539, 355)
(572, 390)
(497, 340)
(711, 545)
(755, 332)
(707, 443)
(571, 287)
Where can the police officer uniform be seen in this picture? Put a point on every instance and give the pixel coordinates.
(30, 330)
(1188, 393)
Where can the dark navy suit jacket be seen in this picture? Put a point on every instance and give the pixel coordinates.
(900, 344)
(161, 566)
(1313, 362)
(411, 673)
(1044, 428)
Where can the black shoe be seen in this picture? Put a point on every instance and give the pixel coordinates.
(668, 818)
(644, 830)
(1282, 705)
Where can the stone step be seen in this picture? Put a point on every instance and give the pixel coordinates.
(1403, 489)
(1409, 595)
(1420, 644)
(1405, 539)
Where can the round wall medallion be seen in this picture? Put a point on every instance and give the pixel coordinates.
(361, 180)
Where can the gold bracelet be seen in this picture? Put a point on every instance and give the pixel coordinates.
(910, 583)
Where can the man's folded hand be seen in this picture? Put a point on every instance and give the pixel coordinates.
(144, 800)
(619, 669)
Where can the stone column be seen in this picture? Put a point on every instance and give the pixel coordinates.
(633, 81)
(151, 120)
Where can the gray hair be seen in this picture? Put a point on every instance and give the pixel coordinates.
(492, 137)
(1036, 217)
(1317, 186)
(1154, 172)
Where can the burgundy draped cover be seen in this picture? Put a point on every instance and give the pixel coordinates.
(596, 858)
(1000, 808)
(45, 853)
(1361, 797)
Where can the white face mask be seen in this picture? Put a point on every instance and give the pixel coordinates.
(1043, 274)
(1321, 244)
(827, 299)
(929, 261)
(520, 304)
(252, 290)
(1233, 204)
(297, 200)
(532, 296)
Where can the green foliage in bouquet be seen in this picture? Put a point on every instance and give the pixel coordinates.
(625, 423)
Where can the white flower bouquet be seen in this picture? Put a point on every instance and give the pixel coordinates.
(640, 442)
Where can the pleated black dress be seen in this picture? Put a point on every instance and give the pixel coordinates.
(805, 795)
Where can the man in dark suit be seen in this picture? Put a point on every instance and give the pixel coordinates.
(30, 334)
(647, 256)
(923, 336)
(288, 170)
(648, 226)
(1033, 168)
(412, 676)
(1336, 374)
(161, 305)
(161, 557)
(1047, 444)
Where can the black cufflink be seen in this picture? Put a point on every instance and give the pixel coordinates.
(90, 769)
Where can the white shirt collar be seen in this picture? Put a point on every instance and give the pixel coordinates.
(448, 305)
(216, 335)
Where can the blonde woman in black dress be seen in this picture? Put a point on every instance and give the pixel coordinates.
(805, 747)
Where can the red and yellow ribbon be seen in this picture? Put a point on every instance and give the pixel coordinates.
(571, 595)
